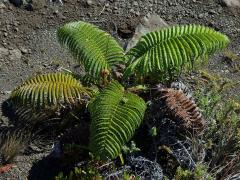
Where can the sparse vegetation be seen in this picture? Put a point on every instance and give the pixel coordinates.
(11, 143)
(222, 144)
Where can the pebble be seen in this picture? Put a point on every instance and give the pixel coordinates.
(2, 6)
(4, 52)
(200, 16)
(55, 12)
(211, 11)
(135, 3)
(137, 13)
(23, 50)
(16, 29)
(6, 92)
(132, 10)
(15, 54)
(90, 2)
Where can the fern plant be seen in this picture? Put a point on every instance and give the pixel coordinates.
(116, 113)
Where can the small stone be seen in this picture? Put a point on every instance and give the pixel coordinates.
(5, 34)
(212, 11)
(16, 29)
(4, 52)
(23, 50)
(4, 44)
(200, 16)
(7, 92)
(63, 17)
(15, 23)
(108, 10)
(15, 54)
(90, 3)
(2, 6)
(135, 3)
(132, 11)
(137, 13)
(55, 12)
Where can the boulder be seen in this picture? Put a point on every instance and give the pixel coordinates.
(147, 24)
(231, 3)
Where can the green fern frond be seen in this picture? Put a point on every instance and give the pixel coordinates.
(172, 48)
(115, 116)
(49, 90)
(92, 47)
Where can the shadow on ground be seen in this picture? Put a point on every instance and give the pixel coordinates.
(46, 168)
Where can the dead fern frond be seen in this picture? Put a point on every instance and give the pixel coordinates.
(182, 108)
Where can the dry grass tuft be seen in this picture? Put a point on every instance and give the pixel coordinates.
(12, 143)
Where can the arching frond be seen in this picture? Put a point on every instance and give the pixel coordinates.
(94, 48)
(172, 48)
(115, 116)
(49, 90)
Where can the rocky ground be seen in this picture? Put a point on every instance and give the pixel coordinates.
(28, 43)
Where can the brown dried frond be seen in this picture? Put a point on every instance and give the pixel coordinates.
(182, 108)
